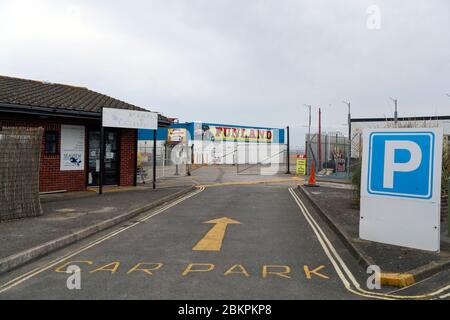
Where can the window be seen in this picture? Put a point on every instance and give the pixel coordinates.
(51, 142)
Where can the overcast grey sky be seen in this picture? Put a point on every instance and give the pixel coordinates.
(250, 62)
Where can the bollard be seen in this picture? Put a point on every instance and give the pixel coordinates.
(188, 169)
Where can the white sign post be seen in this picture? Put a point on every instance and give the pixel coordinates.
(72, 148)
(401, 187)
(122, 118)
(130, 119)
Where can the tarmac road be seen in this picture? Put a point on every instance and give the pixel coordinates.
(258, 244)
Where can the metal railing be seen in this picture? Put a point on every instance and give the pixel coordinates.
(171, 161)
(330, 157)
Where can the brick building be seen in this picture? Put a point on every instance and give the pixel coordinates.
(71, 118)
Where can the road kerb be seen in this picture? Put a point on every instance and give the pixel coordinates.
(19, 259)
(364, 260)
(410, 277)
(242, 183)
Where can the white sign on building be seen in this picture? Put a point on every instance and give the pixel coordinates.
(401, 187)
(72, 148)
(131, 119)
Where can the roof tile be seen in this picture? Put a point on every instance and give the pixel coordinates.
(56, 96)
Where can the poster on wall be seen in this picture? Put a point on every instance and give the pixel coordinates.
(340, 165)
(177, 135)
(72, 148)
(241, 134)
(301, 165)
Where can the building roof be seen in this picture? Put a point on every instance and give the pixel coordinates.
(17, 92)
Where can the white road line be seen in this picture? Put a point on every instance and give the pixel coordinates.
(328, 248)
(320, 234)
(15, 282)
(327, 251)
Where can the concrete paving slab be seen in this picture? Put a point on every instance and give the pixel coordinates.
(64, 217)
(339, 206)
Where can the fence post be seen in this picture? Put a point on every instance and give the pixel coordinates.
(192, 160)
(307, 156)
(288, 171)
(154, 159)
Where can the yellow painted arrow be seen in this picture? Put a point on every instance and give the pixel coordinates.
(212, 241)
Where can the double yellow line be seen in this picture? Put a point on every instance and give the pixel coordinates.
(243, 183)
(344, 273)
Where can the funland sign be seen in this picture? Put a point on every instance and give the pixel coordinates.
(241, 134)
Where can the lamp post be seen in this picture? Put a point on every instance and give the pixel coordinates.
(205, 128)
(448, 196)
(395, 113)
(349, 123)
(309, 123)
(309, 132)
(319, 141)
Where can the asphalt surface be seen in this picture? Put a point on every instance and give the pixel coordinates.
(266, 256)
(338, 204)
(66, 216)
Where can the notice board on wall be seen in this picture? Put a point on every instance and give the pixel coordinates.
(72, 148)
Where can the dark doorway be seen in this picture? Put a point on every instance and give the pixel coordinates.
(111, 175)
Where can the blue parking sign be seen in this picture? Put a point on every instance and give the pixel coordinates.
(401, 187)
(400, 164)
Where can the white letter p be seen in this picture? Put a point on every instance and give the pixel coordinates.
(390, 166)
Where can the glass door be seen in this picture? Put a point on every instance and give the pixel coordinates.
(111, 174)
(111, 158)
(94, 158)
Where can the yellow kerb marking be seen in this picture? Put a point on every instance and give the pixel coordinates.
(119, 189)
(212, 241)
(397, 279)
(252, 182)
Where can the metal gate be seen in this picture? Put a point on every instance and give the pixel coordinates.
(261, 160)
(171, 160)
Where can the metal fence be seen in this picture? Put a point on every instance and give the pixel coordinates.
(171, 161)
(329, 153)
(357, 147)
(261, 159)
(446, 165)
(19, 172)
